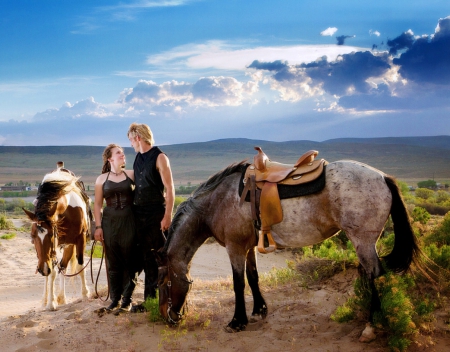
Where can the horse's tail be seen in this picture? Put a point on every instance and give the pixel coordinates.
(406, 249)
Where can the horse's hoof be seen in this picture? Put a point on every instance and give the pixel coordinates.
(138, 308)
(368, 335)
(262, 312)
(235, 328)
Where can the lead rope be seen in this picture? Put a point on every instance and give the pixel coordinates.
(99, 270)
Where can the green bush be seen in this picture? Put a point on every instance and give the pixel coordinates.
(439, 255)
(330, 250)
(434, 209)
(344, 313)
(424, 193)
(5, 224)
(442, 196)
(421, 215)
(151, 305)
(427, 184)
(8, 236)
(396, 310)
(441, 234)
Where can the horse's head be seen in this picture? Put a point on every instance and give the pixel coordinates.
(174, 286)
(43, 237)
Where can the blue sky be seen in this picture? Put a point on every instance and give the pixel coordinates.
(78, 72)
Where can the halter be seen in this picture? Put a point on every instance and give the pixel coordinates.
(169, 298)
(53, 256)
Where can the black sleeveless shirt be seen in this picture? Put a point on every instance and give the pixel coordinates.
(149, 185)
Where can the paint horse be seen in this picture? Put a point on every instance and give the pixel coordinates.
(60, 219)
(356, 198)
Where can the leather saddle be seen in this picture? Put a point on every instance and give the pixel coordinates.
(261, 180)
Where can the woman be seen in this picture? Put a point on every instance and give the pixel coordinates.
(117, 229)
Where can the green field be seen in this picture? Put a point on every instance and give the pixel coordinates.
(410, 159)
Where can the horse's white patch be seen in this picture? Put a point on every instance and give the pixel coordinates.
(74, 200)
(42, 233)
(58, 175)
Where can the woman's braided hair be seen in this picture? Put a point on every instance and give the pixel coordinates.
(106, 155)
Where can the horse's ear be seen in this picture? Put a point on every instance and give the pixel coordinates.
(52, 210)
(30, 215)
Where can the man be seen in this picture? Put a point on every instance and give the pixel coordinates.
(153, 202)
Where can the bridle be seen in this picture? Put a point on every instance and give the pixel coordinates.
(169, 297)
(53, 256)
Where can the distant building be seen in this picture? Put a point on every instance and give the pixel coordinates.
(15, 188)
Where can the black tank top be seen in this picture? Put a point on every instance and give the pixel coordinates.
(149, 185)
(118, 195)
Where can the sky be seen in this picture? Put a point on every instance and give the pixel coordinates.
(79, 72)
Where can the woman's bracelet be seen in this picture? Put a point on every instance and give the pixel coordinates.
(98, 227)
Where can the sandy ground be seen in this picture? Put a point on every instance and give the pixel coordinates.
(298, 319)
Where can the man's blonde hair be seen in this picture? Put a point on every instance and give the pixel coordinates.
(143, 131)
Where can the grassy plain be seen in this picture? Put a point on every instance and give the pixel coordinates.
(410, 159)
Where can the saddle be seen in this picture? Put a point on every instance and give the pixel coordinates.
(261, 180)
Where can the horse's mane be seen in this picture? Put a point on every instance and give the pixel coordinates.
(192, 206)
(53, 186)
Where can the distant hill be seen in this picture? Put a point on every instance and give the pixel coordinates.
(407, 158)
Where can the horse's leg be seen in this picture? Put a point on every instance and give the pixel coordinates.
(237, 258)
(51, 298)
(370, 269)
(259, 304)
(84, 288)
(64, 264)
(45, 293)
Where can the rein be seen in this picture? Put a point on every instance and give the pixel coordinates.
(169, 298)
(55, 259)
(99, 270)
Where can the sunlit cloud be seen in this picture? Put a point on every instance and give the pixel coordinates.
(223, 55)
(329, 31)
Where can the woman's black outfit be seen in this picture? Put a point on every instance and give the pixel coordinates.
(119, 236)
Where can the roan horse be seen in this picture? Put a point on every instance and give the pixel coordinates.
(60, 220)
(357, 199)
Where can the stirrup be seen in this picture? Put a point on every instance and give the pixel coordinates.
(272, 245)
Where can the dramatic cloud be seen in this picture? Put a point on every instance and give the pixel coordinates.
(329, 31)
(345, 76)
(404, 41)
(427, 58)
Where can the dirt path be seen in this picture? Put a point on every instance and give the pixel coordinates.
(298, 319)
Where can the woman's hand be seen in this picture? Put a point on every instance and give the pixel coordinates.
(98, 235)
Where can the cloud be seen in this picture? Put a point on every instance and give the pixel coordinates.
(342, 38)
(329, 31)
(426, 59)
(403, 41)
(376, 33)
(345, 76)
(220, 55)
(121, 12)
(83, 108)
(174, 96)
(269, 66)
